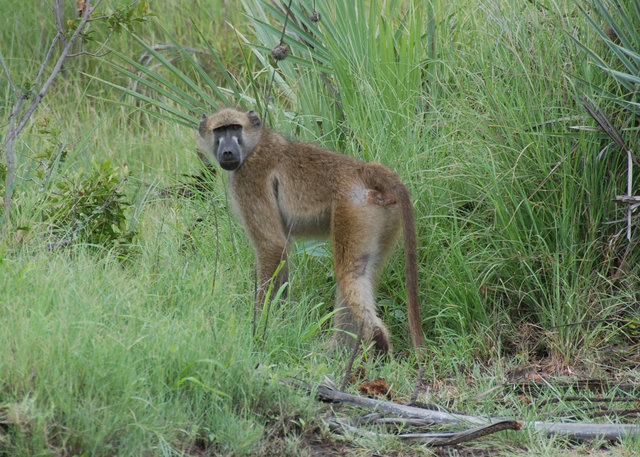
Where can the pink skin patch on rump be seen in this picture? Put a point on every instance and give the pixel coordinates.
(378, 198)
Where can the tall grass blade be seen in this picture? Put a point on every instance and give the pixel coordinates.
(177, 116)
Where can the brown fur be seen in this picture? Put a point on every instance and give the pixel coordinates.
(284, 189)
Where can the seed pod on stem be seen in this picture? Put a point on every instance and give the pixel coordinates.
(314, 16)
(280, 51)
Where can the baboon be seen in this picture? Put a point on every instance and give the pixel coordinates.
(282, 189)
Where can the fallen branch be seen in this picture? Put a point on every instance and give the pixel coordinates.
(432, 439)
(439, 417)
(585, 432)
(570, 430)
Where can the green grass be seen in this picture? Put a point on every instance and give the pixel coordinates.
(139, 352)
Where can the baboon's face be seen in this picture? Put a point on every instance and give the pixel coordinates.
(229, 136)
(228, 146)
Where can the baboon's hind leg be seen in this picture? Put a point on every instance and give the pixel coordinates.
(362, 235)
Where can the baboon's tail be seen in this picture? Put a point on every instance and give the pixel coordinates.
(410, 263)
(391, 184)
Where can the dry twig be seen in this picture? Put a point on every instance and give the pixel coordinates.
(432, 439)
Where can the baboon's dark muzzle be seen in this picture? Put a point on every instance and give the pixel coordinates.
(230, 164)
(229, 153)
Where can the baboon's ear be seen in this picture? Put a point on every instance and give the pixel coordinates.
(254, 118)
(203, 125)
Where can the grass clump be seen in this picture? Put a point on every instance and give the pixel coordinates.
(127, 364)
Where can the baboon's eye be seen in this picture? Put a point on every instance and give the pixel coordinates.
(234, 127)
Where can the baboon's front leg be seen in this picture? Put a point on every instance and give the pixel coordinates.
(270, 269)
(262, 222)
